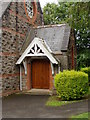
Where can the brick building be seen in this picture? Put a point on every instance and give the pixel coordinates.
(32, 53)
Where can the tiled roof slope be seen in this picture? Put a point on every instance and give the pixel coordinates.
(56, 36)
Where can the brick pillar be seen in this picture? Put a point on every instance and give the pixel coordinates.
(28, 76)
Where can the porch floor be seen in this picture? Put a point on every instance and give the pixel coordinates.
(38, 92)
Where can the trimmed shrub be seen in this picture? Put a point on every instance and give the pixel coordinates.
(71, 85)
(86, 70)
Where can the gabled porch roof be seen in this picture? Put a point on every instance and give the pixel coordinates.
(37, 48)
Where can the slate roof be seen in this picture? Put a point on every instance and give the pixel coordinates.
(56, 36)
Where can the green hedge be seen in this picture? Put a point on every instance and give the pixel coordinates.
(86, 70)
(71, 85)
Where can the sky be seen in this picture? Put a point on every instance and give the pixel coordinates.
(44, 2)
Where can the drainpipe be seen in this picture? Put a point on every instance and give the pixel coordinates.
(20, 77)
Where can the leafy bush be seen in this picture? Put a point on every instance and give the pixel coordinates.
(86, 70)
(71, 85)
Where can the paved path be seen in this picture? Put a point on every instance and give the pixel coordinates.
(27, 106)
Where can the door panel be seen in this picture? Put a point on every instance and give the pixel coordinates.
(40, 74)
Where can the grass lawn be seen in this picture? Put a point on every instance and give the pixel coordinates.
(83, 115)
(55, 101)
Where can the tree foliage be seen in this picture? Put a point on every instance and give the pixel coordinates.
(77, 15)
(79, 19)
(83, 58)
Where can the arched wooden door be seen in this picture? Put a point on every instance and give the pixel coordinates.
(40, 74)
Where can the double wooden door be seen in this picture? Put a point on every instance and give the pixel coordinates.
(40, 74)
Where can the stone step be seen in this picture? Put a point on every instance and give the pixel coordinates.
(37, 92)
